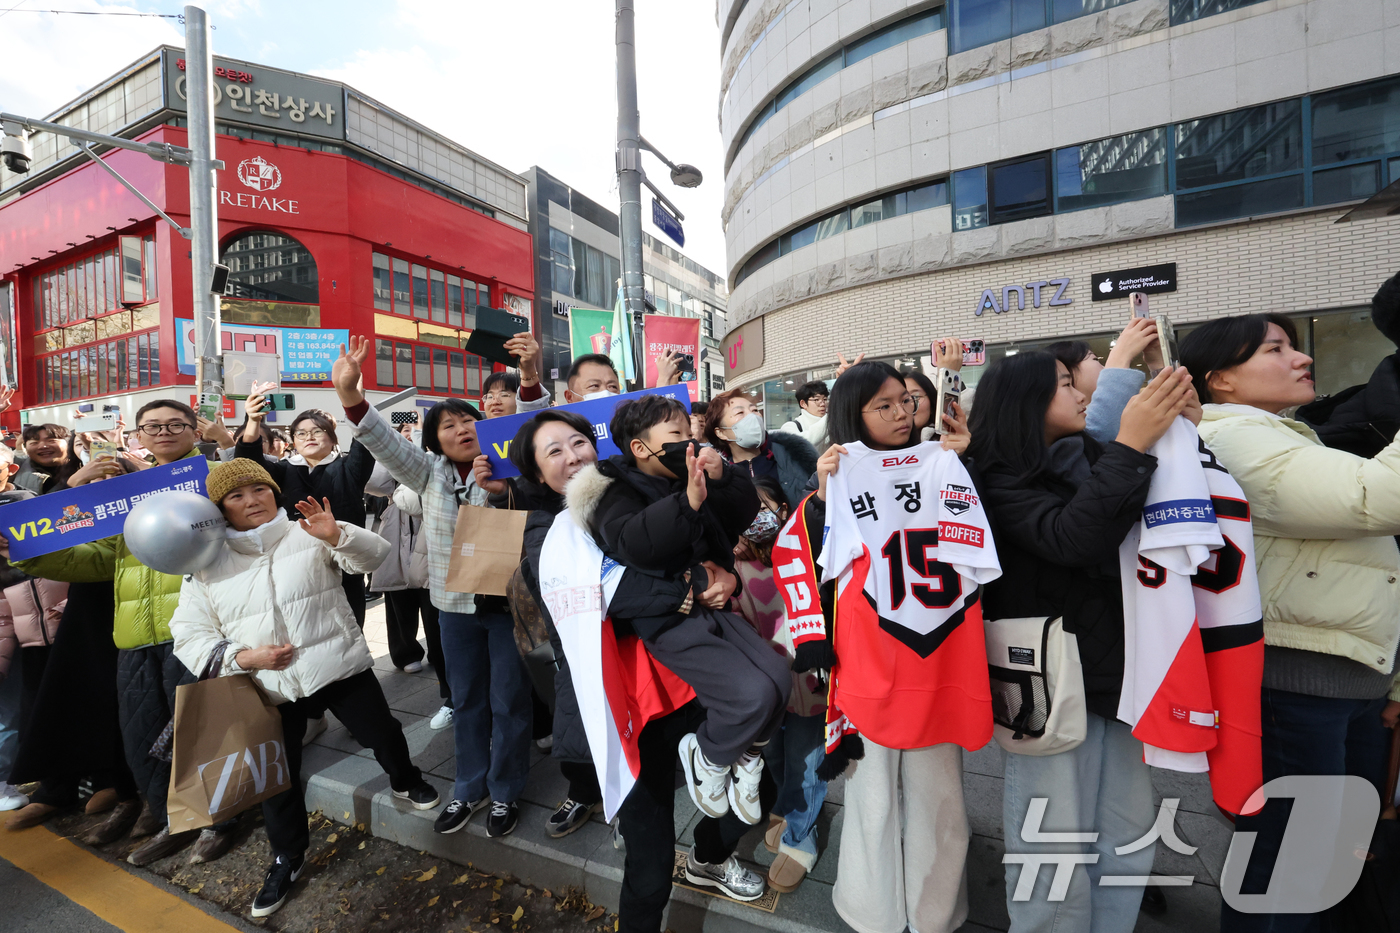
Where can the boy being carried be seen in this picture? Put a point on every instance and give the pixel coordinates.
(671, 510)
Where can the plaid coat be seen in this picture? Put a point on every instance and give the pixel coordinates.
(436, 480)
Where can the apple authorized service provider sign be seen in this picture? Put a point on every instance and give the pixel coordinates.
(1105, 286)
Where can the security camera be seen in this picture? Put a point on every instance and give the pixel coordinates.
(14, 149)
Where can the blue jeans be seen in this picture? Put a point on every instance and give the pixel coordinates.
(10, 691)
(1304, 735)
(1099, 786)
(491, 705)
(793, 755)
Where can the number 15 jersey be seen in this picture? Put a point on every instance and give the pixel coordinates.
(908, 545)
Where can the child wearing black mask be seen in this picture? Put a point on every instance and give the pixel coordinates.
(667, 508)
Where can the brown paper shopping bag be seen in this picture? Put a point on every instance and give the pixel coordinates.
(229, 753)
(486, 548)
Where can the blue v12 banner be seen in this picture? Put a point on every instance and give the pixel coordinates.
(88, 513)
(494, 436)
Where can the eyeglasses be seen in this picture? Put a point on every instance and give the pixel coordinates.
(890, 412)
(308, 435)
(174, 428)
(494, 396)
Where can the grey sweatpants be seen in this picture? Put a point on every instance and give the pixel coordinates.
(738, 676)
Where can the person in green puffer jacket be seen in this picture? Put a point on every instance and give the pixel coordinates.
(147, 670)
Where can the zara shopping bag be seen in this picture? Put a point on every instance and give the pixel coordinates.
(228, 754)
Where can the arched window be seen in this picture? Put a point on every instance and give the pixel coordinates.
(267, 266)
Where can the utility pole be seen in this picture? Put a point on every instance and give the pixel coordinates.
(629, 165)
(204, 218)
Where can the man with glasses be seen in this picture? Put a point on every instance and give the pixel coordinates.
(147, 670)
(811, 419)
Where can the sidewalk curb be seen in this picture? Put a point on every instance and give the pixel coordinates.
(343, 784)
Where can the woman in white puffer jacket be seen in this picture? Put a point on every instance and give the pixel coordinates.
(275, 597)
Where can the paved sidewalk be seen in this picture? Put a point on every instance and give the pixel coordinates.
(344, 782)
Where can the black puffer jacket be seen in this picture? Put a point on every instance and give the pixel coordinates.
(1057, 540)
(342, 480)
(636, 594)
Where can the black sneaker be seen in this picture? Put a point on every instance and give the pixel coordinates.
(455, 815)
(502, 820)
(280, 878)
(569, 817)
(423, 796)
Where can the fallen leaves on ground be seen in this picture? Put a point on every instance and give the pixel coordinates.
(594, 914)
(429, 874)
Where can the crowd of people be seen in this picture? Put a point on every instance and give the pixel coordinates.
(804, 604)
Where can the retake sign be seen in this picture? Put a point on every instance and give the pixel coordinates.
(264, 97)
(1018, 293)
(260, 175)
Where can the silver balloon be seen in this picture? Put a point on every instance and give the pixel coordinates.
(176, 532)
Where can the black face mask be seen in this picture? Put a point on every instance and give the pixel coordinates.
(672, 456)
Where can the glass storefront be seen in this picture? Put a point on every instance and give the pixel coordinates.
(1345, 346)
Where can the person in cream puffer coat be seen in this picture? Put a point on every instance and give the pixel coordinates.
(274, 600)
(1329, 578)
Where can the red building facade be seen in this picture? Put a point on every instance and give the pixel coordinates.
(319, 243)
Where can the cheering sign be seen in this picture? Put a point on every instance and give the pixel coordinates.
(91, 512)
(495, 435)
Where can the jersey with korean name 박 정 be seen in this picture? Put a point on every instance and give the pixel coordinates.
(909, 546)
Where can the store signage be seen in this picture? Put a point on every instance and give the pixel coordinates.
(1018, 293)
(306, 353)
(260, 176)
(743, 349)
(661, 332)
(1105, 286)
(264, 97)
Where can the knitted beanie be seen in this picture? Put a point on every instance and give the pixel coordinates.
(240, 471)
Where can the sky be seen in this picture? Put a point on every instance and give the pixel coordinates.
(520, 82)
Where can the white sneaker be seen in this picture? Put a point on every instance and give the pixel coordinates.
(441, 719)
(314, 727)
(708, 785)
(743, 789)
(545, 744)
(413, 667)
(11, 798)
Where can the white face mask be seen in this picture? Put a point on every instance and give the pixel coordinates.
(602, 393)
(749, 431)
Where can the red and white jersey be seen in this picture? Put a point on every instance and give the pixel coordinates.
(1193, 630)
(908, 544)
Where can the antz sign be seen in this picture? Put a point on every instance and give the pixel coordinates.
(1018, 294)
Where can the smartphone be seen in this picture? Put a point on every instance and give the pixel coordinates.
(950, 387)
(101, 449)
(1166, 340)
(974, 352)
(1138, 300)
(90, 420)
(281, 401)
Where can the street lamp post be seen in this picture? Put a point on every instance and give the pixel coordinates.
(630, 175)
(204, 217)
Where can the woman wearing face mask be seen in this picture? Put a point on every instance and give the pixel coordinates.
(318, 469)
(795, 750)
(1328, 565)
(734, 426)
(1060, 505)
(490, 689)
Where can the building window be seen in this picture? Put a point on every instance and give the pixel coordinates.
(918, 198)
(970, 198)
(400, 364)
(383, 286)
(976, 23)
(96, 285)
(1019, 189)
(267, 266)
(439, 296)
(1185, 11)
(562, 261)
(1124, 168)
(911, 27)
(420, 291)
(1223, 154)
(99, 369)
(1350, 125)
